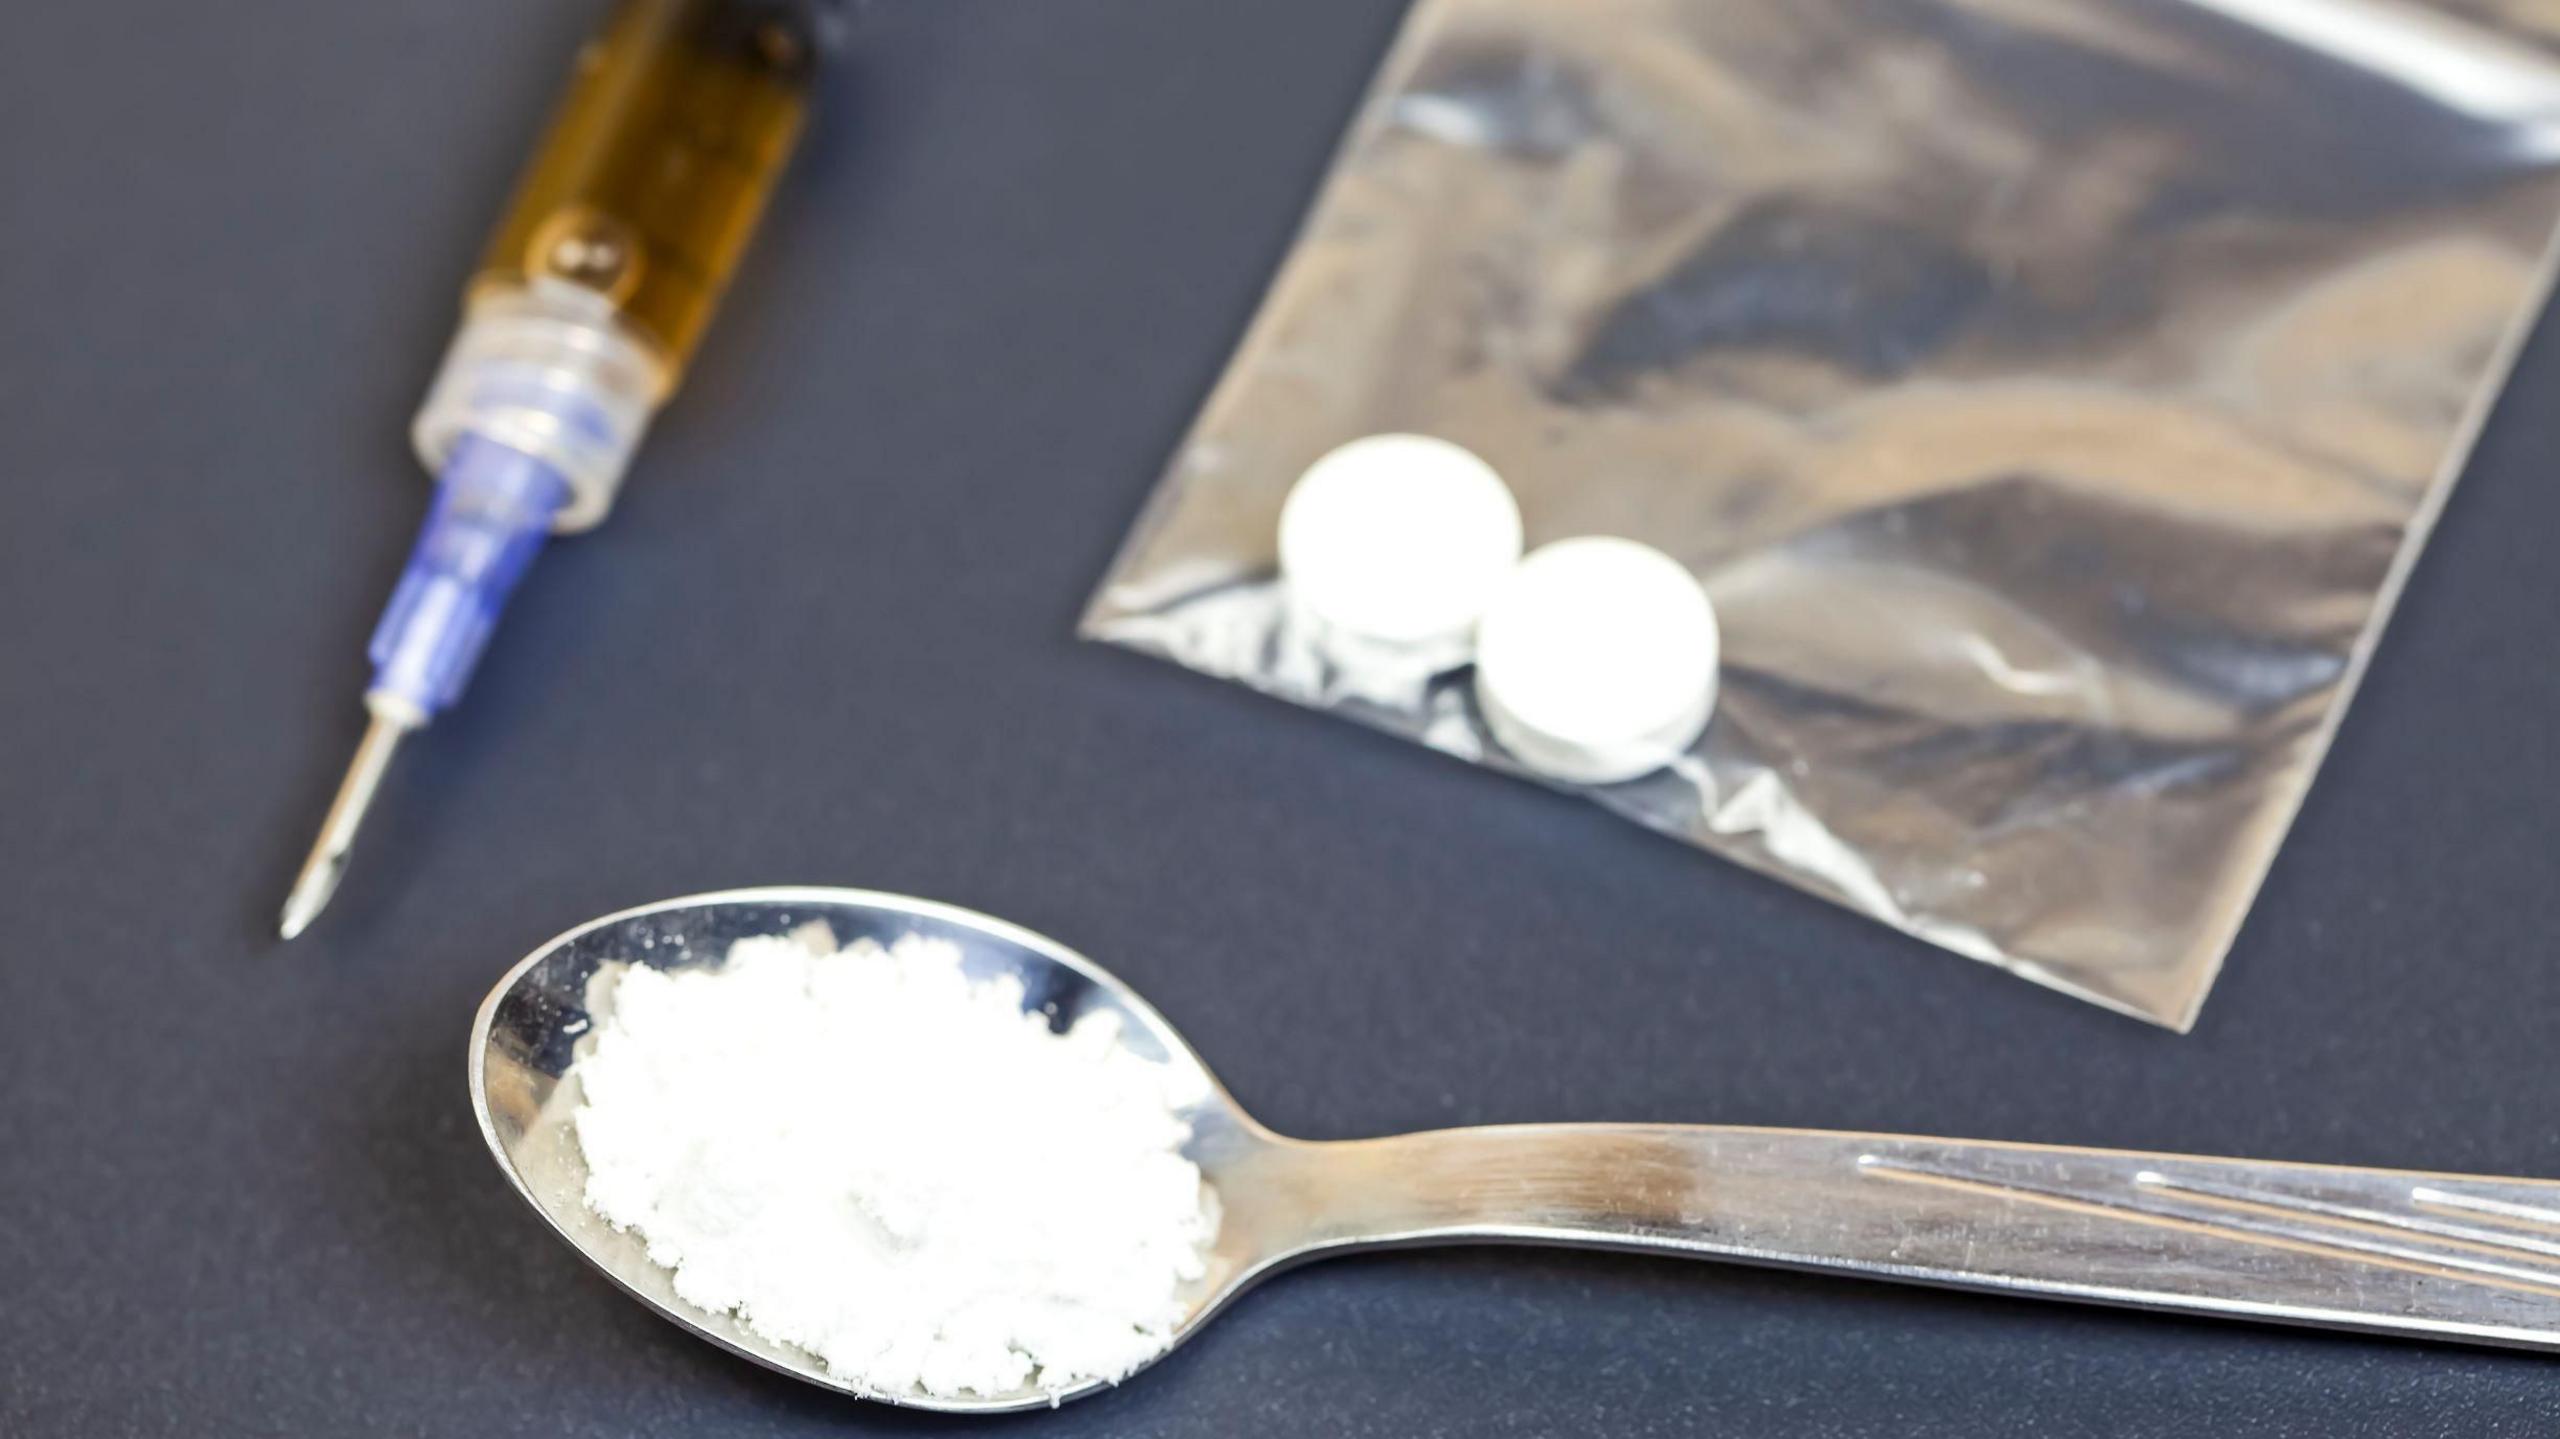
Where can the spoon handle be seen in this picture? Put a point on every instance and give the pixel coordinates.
(2388, 1251)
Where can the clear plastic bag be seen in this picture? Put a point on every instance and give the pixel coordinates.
(2053, 396)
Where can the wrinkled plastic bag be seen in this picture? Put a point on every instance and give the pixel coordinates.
(2053, 396)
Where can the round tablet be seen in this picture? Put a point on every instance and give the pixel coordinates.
(1596, 660)
(1398, 539)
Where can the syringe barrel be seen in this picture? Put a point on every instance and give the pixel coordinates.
(623, 232)
(679, 118)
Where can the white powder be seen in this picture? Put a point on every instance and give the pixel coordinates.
(866, 1156)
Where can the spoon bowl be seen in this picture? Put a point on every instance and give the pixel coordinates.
(2425, 1255)
(525, 1090)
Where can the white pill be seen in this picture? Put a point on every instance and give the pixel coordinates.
(1398, 540)
(1596, 660)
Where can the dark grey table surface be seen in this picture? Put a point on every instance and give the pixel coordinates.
(827, 640)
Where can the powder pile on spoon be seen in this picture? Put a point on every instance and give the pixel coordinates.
(867, 1156)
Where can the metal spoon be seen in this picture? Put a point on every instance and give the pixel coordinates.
(2394, 1252)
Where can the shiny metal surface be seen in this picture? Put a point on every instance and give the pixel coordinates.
(317, 881)
(2424, 1255)
(2053, 397)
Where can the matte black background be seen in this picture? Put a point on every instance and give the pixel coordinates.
(826, 639)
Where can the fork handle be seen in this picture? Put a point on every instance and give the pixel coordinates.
(2387, 1251)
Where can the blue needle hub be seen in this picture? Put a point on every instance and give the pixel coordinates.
(494, 506)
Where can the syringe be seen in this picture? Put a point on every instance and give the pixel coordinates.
(623, 231)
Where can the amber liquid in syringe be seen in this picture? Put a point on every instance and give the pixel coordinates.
(658, 163)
